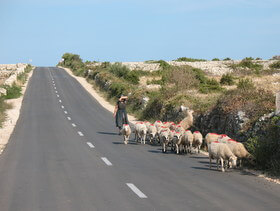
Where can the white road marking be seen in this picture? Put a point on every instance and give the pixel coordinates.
(90, 145)
(136, 191)
(55, 91)
(60, 101)
(80, 133)
(54, 87)
(57, 95)
(62, 106)
(65, 112)
(74, 125)
(69, 118)
(108, 163)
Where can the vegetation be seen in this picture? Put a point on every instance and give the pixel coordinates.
(13, 91)
(227, 79)
(215, 59)
(265, 149)
(275, 65)
(227, 59)
(186, 59)
(74, 62)
(3, 107)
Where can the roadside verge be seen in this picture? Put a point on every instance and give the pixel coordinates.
(12, 116)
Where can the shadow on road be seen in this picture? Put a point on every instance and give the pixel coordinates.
(108, 133)
(121, 143)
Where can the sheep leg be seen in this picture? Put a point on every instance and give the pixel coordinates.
(177, 149)
(222, 164)
(144, 139)
(217, 163)
(210, 162)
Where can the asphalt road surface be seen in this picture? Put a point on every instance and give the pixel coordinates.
(65, 154)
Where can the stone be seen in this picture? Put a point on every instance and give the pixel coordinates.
(277, 112)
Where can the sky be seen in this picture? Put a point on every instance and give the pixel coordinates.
(41, 31)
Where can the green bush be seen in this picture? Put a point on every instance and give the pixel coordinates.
(227, 79)
(266, 149)
(275, 65)
(122, 71)
(116, 89)
(227, 59)
(215, 59)
(245, 84)
(186, 59)
(210, 86)
(248, 58)
(200, 75)
(249, 64)
(13, 91)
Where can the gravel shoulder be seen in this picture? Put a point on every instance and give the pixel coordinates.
(12, 116)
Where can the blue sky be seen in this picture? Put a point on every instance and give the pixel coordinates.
(134, 30)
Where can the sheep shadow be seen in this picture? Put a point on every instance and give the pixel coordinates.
(197, 157)
(108, 133)
(121, 143)
(204, 168)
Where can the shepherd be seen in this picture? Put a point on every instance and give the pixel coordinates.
(120, 112)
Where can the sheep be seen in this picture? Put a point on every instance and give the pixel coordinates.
(197, 140)
(239, 150)
(172, 126)
(147, 123)
(223, 138)
(210, 137)
(187, 122)
(140, 132)
(164, 139)
(126, 131)
(187, 140)
(221, 152)
(177, 141)
(152, 132)
(158, 124)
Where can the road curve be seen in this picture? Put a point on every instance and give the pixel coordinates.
(65, 154)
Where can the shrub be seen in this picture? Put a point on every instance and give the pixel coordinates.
(116, 89)
(210, 86)
(227, 59)
(266, 149)
(186, 59)
(122, 71)
(183, 77)
(13, 91)
(153, 109)
(200, 75)
(245, 84)
(3, 107)
(249, 64)
(258, 58)
(215, 59)
(248, 58)
(227, 79)
(275, 65)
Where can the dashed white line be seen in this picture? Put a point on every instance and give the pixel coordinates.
(136, 191)
(90, 145)
(106, 161)
(54, 87)
(55, 91)
(62, 106)
(60, 101)
(57, 95)
(69, 118)
(65, 112)
(80, 133)
(74, 125)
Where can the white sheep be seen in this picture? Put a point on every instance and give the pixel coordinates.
(152, 132)
(223, 138)
(197, 140)
(239, 150)
(221, 152)
(164, 138)
(140, 132)
(187, 140)
(210, 137)
(126, 131)
(177, 139)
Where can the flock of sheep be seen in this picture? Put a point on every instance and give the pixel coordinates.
(179, 139)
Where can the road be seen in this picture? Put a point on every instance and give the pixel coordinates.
(65, 154)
